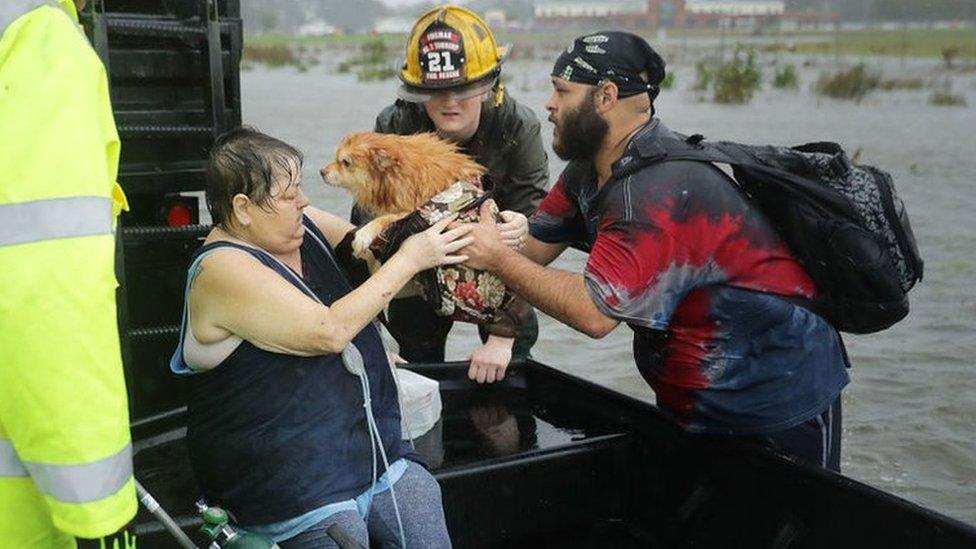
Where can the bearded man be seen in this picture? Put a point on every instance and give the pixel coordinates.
(678, 253)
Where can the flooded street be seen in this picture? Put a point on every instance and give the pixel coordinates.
(910, 410)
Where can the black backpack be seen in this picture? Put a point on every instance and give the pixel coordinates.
(842, 221)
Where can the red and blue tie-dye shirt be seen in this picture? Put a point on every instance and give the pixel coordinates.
(678, 253)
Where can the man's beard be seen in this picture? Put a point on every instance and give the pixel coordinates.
(581, 132)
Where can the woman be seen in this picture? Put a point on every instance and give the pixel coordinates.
(279, 430)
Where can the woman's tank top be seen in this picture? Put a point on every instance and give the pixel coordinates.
(272, 436)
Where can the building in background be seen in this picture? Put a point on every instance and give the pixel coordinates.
(392, 25)
(496, 19)
(316, 27)
(593, 13)
(665, 13)
(736, 13)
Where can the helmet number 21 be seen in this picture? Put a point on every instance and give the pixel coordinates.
(439, 61)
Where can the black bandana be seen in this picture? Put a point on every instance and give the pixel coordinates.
(623, 58)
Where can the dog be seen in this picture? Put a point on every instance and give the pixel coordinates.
(393, 175)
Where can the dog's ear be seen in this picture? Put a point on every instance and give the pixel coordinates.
(384, 159)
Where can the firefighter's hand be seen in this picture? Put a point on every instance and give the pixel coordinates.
(513, 229)
(489, 362)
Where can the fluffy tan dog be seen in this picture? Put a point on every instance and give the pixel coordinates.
(393, 175)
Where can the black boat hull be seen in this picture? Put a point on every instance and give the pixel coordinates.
(548, 459)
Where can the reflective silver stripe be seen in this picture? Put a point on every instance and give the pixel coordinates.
(10, 465)
(86, 482)
(54, 218)
(71, 483)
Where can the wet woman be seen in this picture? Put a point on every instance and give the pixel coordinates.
(293, 419)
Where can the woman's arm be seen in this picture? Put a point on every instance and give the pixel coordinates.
(236, 294)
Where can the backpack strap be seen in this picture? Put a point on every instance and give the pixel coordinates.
(652, 151)
(694, 148)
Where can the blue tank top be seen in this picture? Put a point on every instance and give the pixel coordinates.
(272, 436)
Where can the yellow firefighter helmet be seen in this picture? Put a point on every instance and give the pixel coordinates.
(449, 47)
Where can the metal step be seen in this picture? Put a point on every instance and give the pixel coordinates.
(163, 180)
(146, 234)
(154, 332)
(163, 132)
(139, 64)
(186, 29)
(193, 29)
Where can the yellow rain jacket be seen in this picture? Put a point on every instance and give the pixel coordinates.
(65, 450)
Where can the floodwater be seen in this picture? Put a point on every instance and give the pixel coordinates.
(910, 410)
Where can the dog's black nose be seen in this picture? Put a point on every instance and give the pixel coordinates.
(322, 172)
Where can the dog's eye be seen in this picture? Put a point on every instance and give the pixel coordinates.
(344, 162)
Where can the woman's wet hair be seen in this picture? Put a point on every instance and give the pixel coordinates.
(246, 161)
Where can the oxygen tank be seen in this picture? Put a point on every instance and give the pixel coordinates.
(224, 536)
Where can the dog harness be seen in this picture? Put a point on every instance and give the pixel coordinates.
(456, 291)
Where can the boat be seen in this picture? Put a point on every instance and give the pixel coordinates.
(543, 459)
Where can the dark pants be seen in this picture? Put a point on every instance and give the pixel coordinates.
(815, 442)
(422, 334)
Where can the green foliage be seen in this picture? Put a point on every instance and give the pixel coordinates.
(375, 72)
(786, 77)
(668, 81)
(703, 76)
(736, 81)
(949, 54)
(374, 51)
(272, 55)
(372, 62)
(279, 55)
(935, 43)
(902, 84)
(851, 84)
(944, 97)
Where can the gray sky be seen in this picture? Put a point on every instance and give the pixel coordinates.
(400, 3)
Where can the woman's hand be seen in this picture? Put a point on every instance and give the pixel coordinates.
(513, 228)
(436, 246)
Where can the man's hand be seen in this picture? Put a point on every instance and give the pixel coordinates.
(514, 229)
(487, 244)
(489, 362)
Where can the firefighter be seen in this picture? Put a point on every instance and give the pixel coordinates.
(65, 449)
(450, 85)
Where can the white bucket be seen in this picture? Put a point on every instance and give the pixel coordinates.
(420, 403)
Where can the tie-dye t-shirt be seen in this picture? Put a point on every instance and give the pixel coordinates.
(677, 252)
